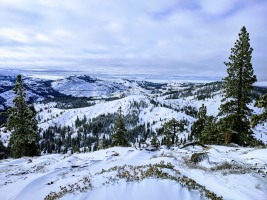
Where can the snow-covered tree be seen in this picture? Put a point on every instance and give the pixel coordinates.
(22, 124)
(238, 85)
(119, 136)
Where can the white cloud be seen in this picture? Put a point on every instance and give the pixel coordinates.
(218, 7)
(13, 34)
(41, 37)
(174, 35)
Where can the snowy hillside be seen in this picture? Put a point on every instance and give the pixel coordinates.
(155, 112)
(128, 173)
(84, 86)
(76, 114)
(61, 104)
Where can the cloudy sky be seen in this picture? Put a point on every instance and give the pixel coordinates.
(165, 38)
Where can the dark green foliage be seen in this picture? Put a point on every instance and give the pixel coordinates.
(205, 129)
(261, 103)
(238, 87)
(133, 134)
(189, 110)
(210, 133)
(95, 146)
(200, 123)
(3, 151)
(201, 91)
(22, 124)
(58, 139)
(119, 136)
(171, 130)
(70, 102)
(79, 122)
(155, 143)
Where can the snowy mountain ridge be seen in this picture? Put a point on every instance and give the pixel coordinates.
(146, 105)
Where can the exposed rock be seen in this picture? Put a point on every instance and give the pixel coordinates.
(198, 157)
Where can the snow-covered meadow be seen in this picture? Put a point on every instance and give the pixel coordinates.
(128, 173)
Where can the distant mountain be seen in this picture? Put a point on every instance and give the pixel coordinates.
(84, 108)
(73, 86)
(77, 86)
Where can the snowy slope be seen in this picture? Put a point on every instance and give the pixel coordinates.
(9, 96)
(125, 92)
(149, 114)
(127, 173)
(157, 114)
(84, 86)
(36, 89)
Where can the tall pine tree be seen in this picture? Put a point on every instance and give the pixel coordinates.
(119, 136)
(238, 86)
(22, 124)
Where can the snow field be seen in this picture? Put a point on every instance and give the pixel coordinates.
(95, 174)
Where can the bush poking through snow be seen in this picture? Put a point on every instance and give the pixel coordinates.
(160, 171)
(70, 188)
(232, 168)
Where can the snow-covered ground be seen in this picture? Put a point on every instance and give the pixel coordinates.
(150, 113)
(127, 173)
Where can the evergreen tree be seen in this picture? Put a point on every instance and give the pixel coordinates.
(261, 103)
(238, 86)
(119, 136)
(22, 124)
(200, 123)
(171, 129)
(155, 142)
(205, 129)
(95, 148)
(100, 144)
(3, 151)
(210, 132)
